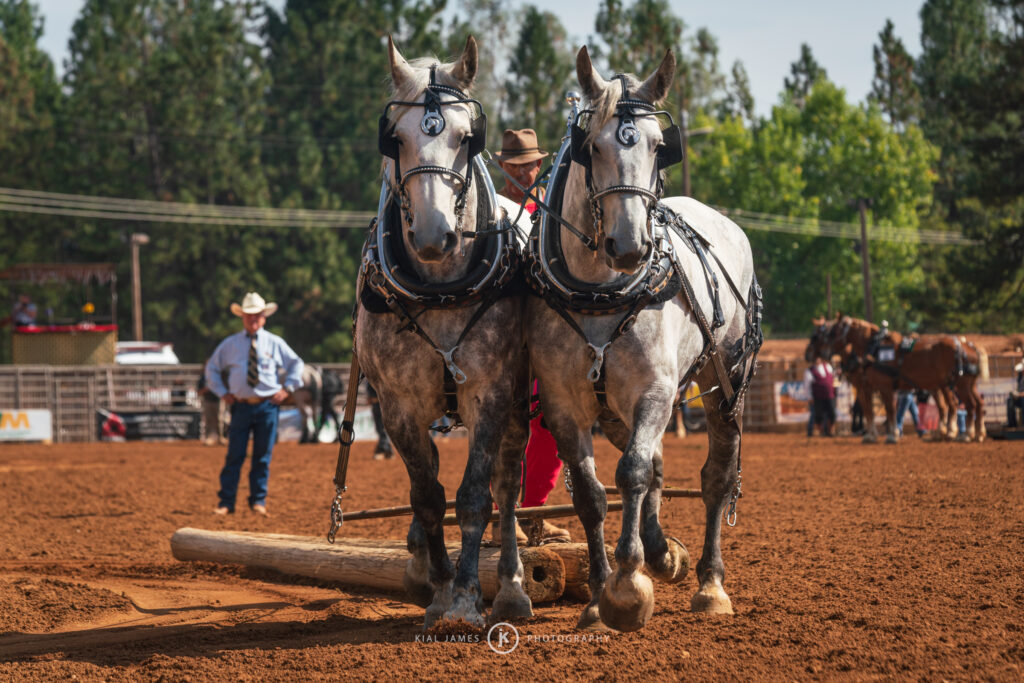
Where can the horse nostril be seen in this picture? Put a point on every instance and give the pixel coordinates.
(609, 247)
(449, 241)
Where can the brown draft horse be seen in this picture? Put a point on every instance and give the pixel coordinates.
(889, 361)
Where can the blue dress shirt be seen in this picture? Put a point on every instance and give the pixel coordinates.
(232, 357)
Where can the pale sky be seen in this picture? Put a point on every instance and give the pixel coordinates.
(765, 35)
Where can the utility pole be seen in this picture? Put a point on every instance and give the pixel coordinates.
(865, 261)
(137, 238)
(684, 128)
(828, 295)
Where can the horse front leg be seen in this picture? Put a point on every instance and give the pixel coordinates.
(511, 602)
(666, 558)
(627, 601)
(891, 429)
(718, 482)
(575, 447)
(428, 574)
(487, 418)
(867, 406)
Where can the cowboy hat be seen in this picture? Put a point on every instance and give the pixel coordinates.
(519, 147)
(254, 303)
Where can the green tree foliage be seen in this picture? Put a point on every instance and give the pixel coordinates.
(166, 103)
(893, 87)
(540, 72)
(969, 74)
(810, 161)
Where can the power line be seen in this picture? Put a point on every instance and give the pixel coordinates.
(83, 206)
(821, 228)
(113, 208)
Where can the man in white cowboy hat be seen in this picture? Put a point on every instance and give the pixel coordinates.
(250, 361)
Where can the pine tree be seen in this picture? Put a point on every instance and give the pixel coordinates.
(805, 73)
(893, 86)
(540, 69)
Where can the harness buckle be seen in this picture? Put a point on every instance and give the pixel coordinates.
(595, 368)
(458, 375)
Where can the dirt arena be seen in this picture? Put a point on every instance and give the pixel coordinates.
(855, 561)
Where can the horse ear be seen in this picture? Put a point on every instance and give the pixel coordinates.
(464, 71)
(656, 87)
(591, 82)
(401, 72)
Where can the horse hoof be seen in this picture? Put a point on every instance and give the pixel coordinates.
(420, 592)
(440, 605)
(627, 601)
(869, 439)
(962, 438)
(891, 439)
(590, 621)
(461, 614)
(509, 605)
(674, 564)
(711, 599)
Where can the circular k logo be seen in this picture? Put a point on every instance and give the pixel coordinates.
(503, 638)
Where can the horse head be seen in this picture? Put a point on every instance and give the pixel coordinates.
(623, 143)
(431, 130)
(818, 344)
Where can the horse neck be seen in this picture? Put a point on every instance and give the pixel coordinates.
(860, 336)
(581, 262)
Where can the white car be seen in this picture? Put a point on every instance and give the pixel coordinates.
(146, 353)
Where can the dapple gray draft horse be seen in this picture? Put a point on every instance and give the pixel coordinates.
(606, 343)
(437, 332)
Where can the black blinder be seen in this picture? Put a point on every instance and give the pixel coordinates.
(578, 150)
(670, 152)
(478, 129)
(387, 143)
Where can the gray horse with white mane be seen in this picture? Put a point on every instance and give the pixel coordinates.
(438, 331)
(629, 308)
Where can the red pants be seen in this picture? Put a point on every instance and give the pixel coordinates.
(542, 464)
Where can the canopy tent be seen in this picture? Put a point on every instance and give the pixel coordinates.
(80, 273)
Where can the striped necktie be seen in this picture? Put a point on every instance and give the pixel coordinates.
(252, 375)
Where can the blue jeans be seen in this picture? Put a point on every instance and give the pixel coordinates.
(961, 421)
(907, 400)
(261, 420)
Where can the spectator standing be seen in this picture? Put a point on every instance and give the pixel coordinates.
(1015, 401)
(906, 400)
(823, 391)
(251, 360)
(808, 382)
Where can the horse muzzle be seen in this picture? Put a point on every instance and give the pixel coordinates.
(434, 246)
(626, 256)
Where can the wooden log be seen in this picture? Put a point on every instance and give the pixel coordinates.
(365, 562)
(576, 560)
(399, 510)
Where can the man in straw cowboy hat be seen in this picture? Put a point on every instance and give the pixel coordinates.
(521, 157)
(250, 360)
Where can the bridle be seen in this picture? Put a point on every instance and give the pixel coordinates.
(433, 123)
(627, 110)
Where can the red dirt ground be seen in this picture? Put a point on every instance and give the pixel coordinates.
(856, 561)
